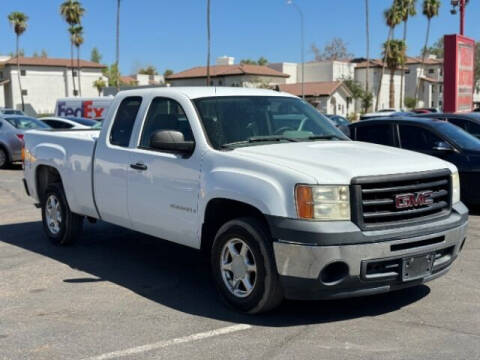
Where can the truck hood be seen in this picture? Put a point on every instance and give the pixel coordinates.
(337, 162)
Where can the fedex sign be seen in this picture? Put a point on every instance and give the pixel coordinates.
(90, 109)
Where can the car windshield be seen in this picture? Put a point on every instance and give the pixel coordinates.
(26, 123)
(82, 121)
(233, 121)
(460, 137)
(338, 120)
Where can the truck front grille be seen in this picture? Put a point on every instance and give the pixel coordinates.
(399, 200)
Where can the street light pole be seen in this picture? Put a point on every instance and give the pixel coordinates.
(302, 40)
(462, 17)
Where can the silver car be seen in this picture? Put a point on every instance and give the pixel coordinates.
(12, 130)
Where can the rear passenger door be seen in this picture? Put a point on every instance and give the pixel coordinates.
(163, 187)
(382, 134)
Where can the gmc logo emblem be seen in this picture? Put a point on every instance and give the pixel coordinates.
(404, 201)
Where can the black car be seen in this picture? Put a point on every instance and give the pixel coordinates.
(470, 122)
(433, 137)
(340, 122)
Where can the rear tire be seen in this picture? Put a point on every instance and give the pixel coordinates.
(61, 226)
(243, 266)
(3, 158)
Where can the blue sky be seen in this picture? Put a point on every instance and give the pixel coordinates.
(171, 34)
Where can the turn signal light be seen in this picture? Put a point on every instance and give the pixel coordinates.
(304, 198)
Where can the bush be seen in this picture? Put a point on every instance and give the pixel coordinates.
(410, 103)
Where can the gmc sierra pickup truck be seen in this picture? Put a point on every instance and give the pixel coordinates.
(283, 203)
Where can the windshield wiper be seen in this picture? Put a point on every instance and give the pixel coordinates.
(256, 139)
(323, 137)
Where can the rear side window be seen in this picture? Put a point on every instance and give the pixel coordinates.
(124, 121)
(417, 138)
(58, 124)
(459, 122)
(474, 129)
(381, 134)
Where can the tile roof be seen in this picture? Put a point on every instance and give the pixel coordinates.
(428, 61)
(320, 88)
(40, 61)
(227, 70)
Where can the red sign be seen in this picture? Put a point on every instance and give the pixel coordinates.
(458, 70)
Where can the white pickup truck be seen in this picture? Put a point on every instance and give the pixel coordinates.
(285, 205)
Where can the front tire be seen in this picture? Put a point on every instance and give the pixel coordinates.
(61, 226)
(3, 158)
(243, 266)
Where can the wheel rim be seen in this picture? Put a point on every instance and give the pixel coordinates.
(53, 214)
(238, 267)
(3, 157)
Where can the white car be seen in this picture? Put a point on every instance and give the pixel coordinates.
(68, 123)
(284, 204)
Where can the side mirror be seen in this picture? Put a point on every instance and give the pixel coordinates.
(442, 146)
(172, 141)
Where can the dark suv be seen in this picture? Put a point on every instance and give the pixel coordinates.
(470, 122)
(433, 137)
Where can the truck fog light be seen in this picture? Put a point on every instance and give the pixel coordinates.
(334, 273)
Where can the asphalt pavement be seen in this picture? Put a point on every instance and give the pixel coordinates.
(118, 294)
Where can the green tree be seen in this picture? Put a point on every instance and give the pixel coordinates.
(262, 61)
(112, 74)
(394, 53)
(149, 70)
(410, 103)
(72, 12)
(99, 85)
(44, 54)
(76, 33)
(393, 17)
(335, 49)
(436, 49)
(18, 20)
(95, 56)
(248, 62)
(35, 54)
(167, 73)
(407, 9)
(431, 9)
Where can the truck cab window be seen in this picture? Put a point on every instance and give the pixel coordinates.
(378, 134)
(417, 138)
(165, 114)
(124, 121)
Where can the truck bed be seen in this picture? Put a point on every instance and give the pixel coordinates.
(71, 153)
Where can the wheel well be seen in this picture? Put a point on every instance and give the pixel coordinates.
(45, 176)
(4, 148)
(219, 211)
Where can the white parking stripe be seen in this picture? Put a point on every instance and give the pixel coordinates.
(163, 344)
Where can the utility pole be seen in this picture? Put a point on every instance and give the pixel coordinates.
(208, 43)
(302, 41)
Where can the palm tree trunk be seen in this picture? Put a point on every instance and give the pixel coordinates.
(392, 88)
(117, 55)
(402, 81)
(390, 32)
(19, 75)
(208, 43)
(424, 53)
(367, 28)
(73, 72)
(78, 72)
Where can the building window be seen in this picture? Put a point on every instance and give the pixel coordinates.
(407, 71)
(431, 71)
(1, 75)
(220, 82)
(23, 72)
(24, 92)
(440, 90)
(75, 92)
(74, 73)
(441, 72)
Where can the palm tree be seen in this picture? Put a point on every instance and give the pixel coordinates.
(394, 53)
(407, 8)
(72, 12)
(117, 52)
(430, 9)
(19, 23)
(99, 85)
(76, 33)
(208, 43)
(393, 17)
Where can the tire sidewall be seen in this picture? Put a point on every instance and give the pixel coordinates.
(59, 237)
(5, 163)
(255, 239)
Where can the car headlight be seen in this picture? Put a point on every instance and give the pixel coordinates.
(321, 202)
(455, 188)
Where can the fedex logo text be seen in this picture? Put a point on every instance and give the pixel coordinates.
(86, 110)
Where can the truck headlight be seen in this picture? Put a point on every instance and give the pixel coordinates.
(455, 188)
(321, 202)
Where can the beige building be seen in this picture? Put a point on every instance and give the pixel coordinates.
(430, 91)
(44, 80)
(329, 97)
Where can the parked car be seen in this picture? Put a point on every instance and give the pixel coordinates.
(284, 204)
(433, 137)
(12, 132)
(340, 122)
(470, 122)
(425, 110)
(380, 113)
(8, 111)
(68, 123)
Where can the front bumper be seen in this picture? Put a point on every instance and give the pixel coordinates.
(372, 261)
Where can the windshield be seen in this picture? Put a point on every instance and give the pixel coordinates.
(26, 123)
(253, 120)
(459, 136)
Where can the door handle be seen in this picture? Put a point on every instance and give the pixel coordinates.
(139, 166)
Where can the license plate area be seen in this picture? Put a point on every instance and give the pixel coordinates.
(417, 267)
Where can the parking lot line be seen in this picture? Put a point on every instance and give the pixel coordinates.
(166, 343)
